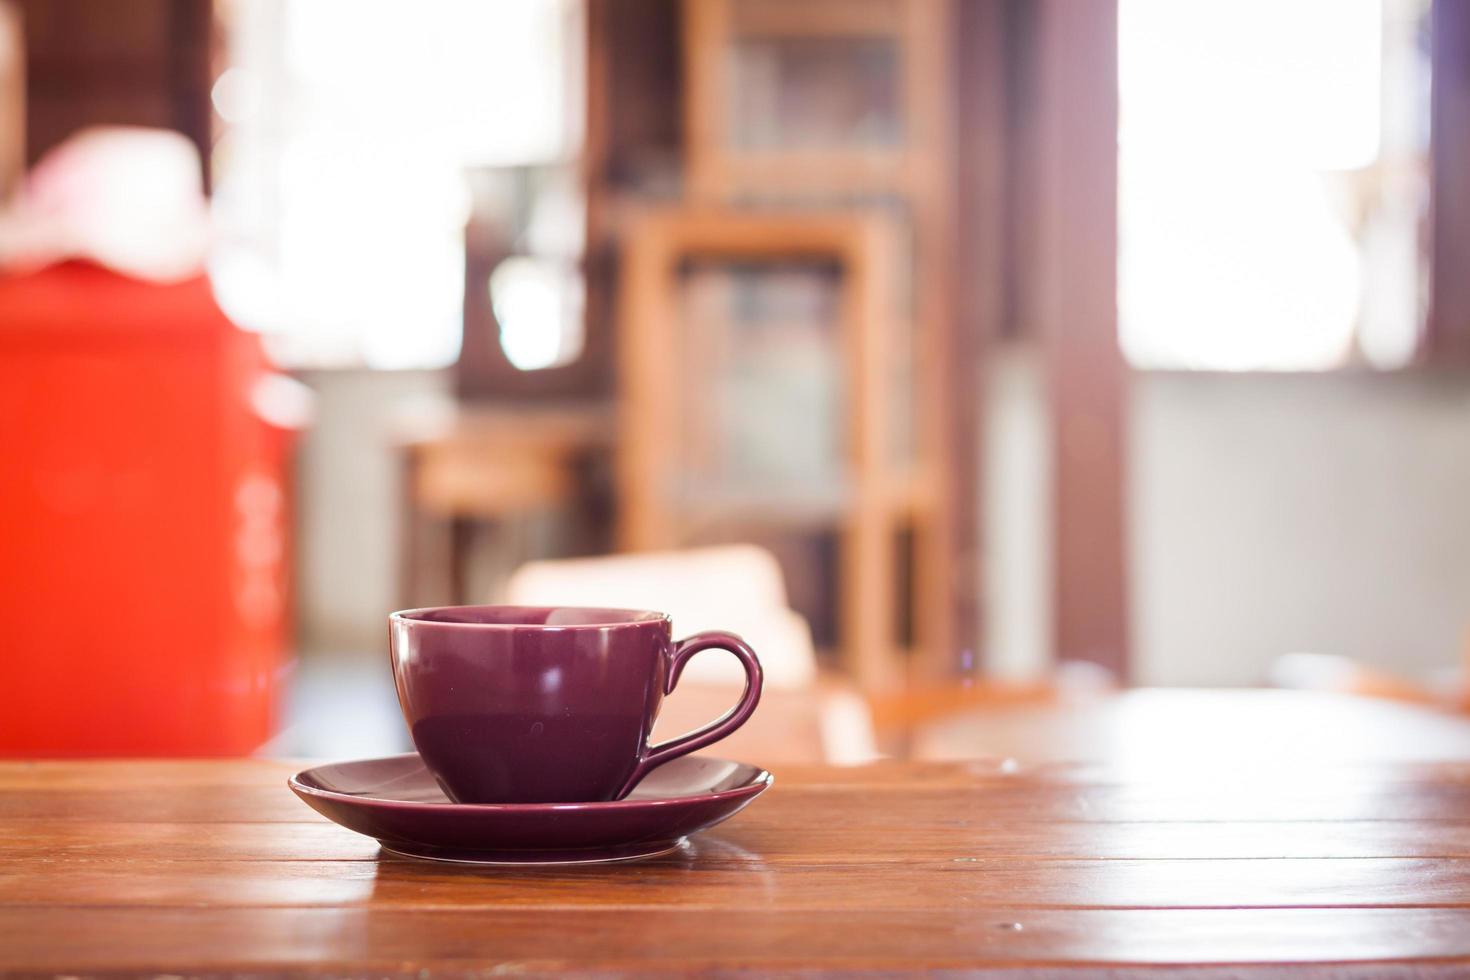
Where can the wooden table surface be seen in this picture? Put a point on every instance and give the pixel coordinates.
(1338, 868)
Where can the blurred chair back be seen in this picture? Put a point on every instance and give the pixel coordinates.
(802, 718)
(737, 588)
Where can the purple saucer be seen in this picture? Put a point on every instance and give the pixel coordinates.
(397, 801)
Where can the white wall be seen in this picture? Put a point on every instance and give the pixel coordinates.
(347, 485)
(1270, 514)
(1016, 522)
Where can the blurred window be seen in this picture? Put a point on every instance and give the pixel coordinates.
(348, 125)
(538, 306)
(1273, 182)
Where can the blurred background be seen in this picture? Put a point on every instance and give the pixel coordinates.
(972, 357)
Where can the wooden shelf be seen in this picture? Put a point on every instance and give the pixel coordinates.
(879, 200)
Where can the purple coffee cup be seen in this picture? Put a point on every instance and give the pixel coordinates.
(547, 704)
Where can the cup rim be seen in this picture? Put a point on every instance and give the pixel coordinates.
(604, 618)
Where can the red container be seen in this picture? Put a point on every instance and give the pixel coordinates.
(143, 518)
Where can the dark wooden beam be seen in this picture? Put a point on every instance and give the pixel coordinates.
(979, 215)
(1448, 336)
(1076, 303)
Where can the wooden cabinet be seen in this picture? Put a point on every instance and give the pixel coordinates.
(754, 398)
(778, 268)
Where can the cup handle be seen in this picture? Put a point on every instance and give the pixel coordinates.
(656, 755)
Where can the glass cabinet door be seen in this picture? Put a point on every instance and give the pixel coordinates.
(761, 364)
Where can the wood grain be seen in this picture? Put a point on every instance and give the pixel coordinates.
(1110, 869)
(945, 839)
(1343, 943)
(717, 876)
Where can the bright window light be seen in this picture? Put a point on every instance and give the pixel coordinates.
(340, 200)
(1272, 182)
(539, 312)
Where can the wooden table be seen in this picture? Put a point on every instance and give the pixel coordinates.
(1336, 869)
